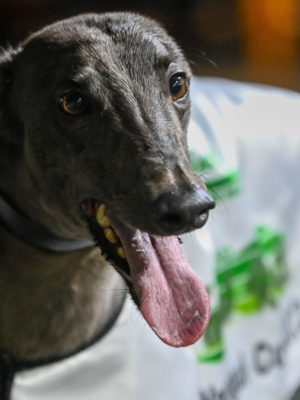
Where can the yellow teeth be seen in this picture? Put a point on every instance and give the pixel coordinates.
(110, 235)
(121, 252)
(101, 218)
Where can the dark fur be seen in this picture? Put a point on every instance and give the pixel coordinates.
(126, 150)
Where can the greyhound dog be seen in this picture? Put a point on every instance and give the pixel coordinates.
(93, 118)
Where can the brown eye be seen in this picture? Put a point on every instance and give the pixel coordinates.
(178, 86)
(73, 103)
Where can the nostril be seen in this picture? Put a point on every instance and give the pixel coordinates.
(201, 218)
(202, 210)
(171, 221)
(203, 213)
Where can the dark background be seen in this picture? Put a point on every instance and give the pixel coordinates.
(252, 40)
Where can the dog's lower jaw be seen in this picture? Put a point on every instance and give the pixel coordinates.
(57, 304)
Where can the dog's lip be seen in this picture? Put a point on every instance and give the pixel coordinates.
(105, 238)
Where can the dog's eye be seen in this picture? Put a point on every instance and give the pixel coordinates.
(178, 86)
(73, 103)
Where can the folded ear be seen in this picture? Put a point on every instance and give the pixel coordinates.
(8, 121)
(7, 57)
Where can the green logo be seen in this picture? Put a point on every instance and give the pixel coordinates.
(221, 181)
(245, 282)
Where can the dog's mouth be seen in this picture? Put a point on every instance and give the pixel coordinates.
(172, 299)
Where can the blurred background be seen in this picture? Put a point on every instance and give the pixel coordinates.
(249, 40)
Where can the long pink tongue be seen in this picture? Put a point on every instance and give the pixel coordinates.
(173, 300)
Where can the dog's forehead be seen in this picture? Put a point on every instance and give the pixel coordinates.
(104, 42)
(142, 49)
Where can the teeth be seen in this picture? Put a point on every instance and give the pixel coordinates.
(101, 218)
(121, 252)
(110, 235)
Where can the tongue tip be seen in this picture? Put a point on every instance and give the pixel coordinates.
(183, 341)
(187, 335)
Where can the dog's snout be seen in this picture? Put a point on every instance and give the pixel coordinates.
(183, 210)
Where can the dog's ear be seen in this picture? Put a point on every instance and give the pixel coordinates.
(8, 121)
(7, 57)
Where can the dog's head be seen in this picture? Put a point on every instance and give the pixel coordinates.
(101, 105)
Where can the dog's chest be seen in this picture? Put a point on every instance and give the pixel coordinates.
(51, 304)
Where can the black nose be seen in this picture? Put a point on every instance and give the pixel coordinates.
(183, 209)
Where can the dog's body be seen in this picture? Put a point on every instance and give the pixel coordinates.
(86, 113)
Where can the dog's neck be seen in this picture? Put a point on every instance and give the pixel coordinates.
(28, 194)
(36, 234)
(17, 184)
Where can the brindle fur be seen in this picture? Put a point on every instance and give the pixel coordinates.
(125, 150)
